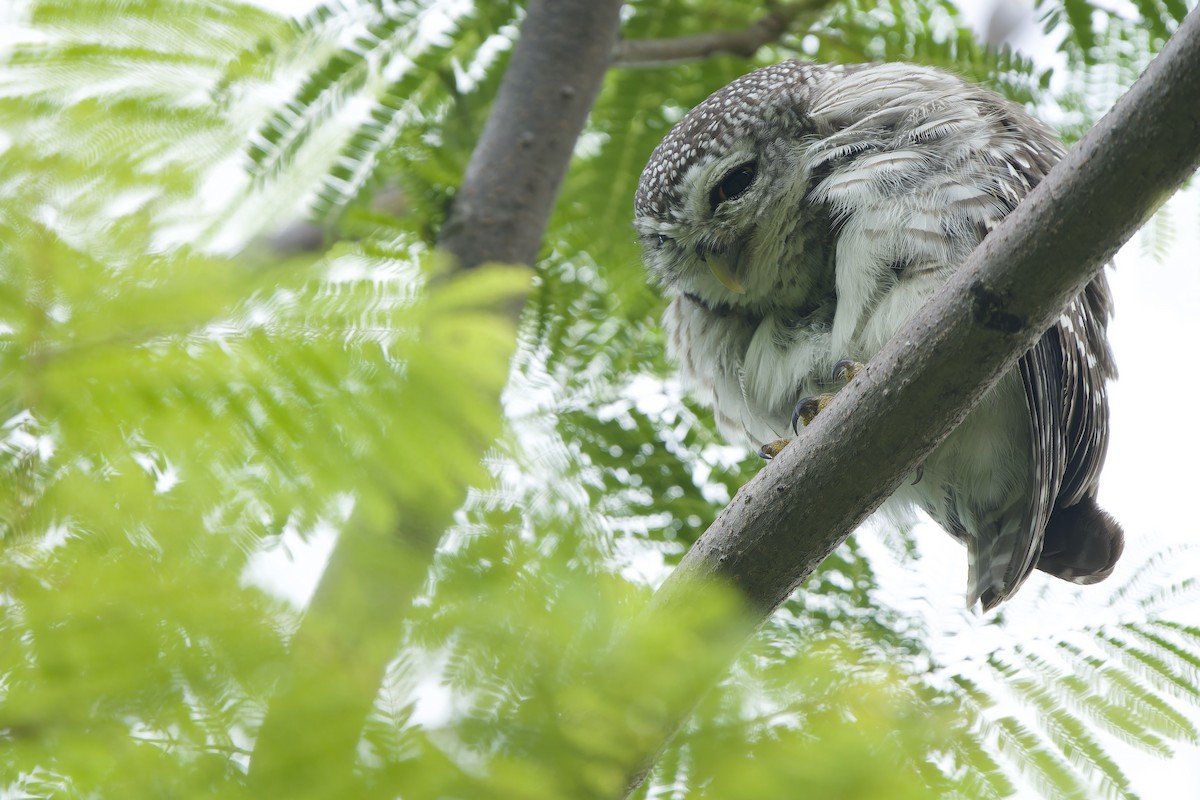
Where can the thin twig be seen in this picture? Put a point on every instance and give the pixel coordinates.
(743, 42)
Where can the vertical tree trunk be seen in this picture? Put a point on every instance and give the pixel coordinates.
(352, 628)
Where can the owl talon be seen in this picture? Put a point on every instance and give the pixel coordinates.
(846, 370)
(808, 408)
(772, 449)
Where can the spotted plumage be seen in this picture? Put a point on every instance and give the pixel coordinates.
(803, 213)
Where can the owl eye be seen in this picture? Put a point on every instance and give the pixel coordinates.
(660, 240)
(734, 184)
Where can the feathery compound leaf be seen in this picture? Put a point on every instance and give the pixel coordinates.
(1065, 730)
(1139, 703)
(1110, 700)
(235, 404)
(1020, 747)
(930, 33)
(1106, 40)
(1123, 680)
(433, 82)
(115, 108)
(1162, 672)
(391, 68)
(220, 28)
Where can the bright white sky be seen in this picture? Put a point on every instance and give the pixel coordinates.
(1149, 479)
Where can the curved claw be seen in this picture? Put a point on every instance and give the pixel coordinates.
(846, 369)
(806, 408)
(772, 449)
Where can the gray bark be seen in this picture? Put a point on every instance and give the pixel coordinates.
(501, 209)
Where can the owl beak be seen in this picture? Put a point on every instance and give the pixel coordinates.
(726, 266)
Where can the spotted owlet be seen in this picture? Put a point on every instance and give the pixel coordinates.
(800, 215)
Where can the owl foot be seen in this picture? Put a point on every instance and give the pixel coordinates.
(808, 407)
(846, 370)
(772, 449)
(807, 410)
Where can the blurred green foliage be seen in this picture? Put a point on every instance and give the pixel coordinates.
(180, 401)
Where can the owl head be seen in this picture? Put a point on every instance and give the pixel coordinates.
(721, 206)
(739, 206)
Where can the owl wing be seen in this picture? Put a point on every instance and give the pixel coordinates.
(1087, 366)
(1042, 375)
(1063, 376)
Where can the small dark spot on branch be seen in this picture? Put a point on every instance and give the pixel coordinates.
(987, 309)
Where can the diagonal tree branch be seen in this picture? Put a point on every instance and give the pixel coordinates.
(743, 42)
(307, 744)
(802, 505)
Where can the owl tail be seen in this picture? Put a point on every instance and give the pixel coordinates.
(1082, 543)
(988, 558)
